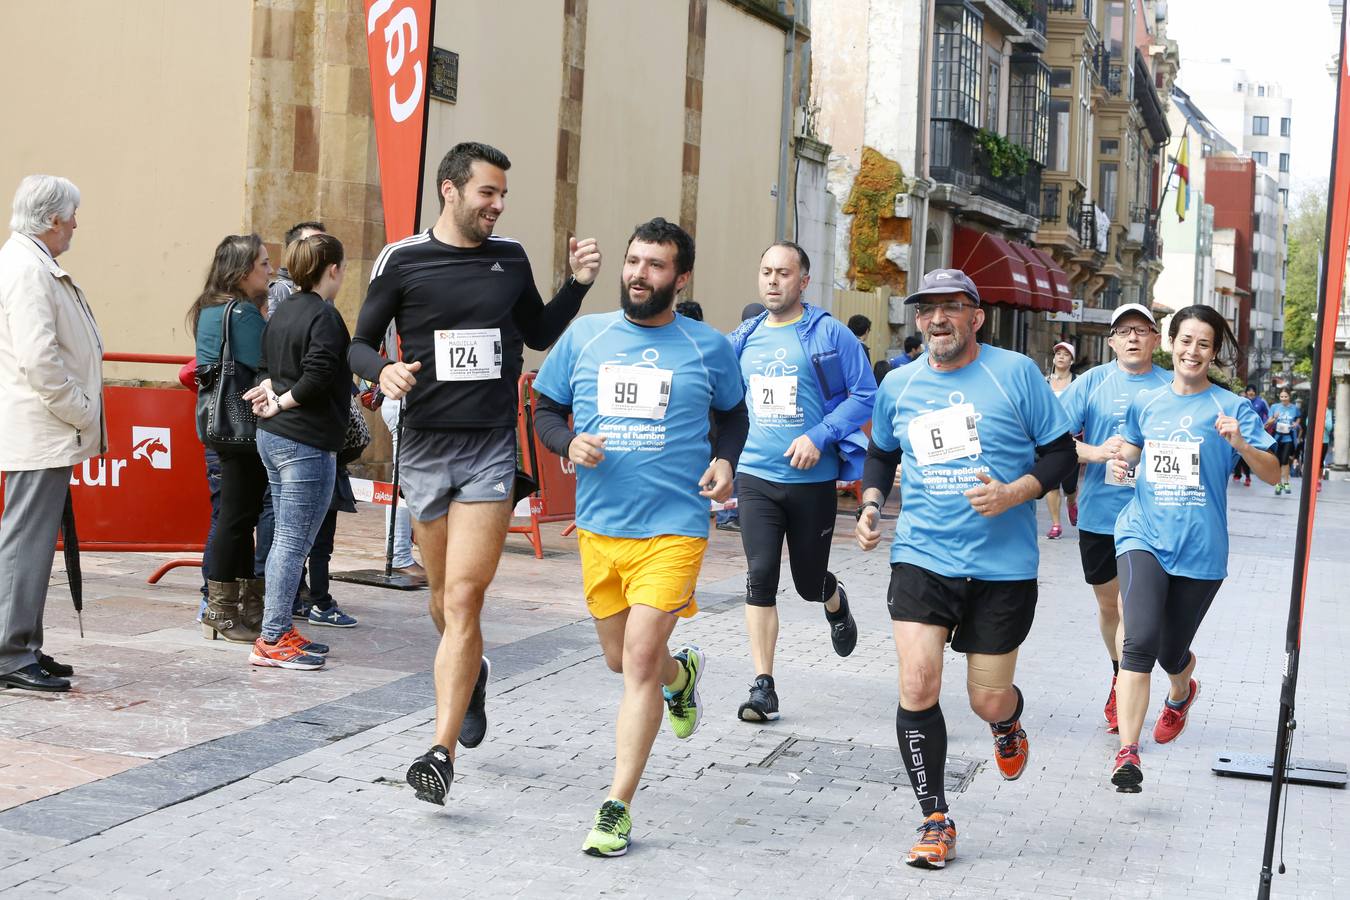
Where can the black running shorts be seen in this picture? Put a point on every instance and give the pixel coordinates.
(1099, 556)
(980, 616)
(1284, 451)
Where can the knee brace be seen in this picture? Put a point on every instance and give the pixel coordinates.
(989, 672)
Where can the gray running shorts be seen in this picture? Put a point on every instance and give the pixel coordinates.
(437, 468)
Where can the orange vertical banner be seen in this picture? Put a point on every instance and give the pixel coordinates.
(398, 42)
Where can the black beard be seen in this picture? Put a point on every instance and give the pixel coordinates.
(659, 301)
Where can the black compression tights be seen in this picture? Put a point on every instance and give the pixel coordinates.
(1162, 613)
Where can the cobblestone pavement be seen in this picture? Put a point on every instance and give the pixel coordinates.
(815, 804)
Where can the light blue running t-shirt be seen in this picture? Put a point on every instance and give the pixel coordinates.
(1285, 415)
(1096, 403)
(783, 395)
(648, 391)
(987, 417)
(1179, 511)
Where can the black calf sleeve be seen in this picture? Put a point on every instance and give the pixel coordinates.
(1017, 714)
(923, 747)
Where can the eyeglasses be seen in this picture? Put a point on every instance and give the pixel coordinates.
(948, 307)
(1137, 330)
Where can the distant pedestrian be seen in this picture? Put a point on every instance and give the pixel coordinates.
(690, 309)
(1059, 378)
(861, 326)
(51, 417)
(240, 271)
(913, 349)
(1241, 471)
(283, 285)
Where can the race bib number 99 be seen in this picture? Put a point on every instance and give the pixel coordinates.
(945, 434)
(1172, 462)
(634, 392)
(469, 355)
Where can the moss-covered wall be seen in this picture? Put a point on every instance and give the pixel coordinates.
(871, 203)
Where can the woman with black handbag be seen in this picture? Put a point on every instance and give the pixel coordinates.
(303, 402)
(228, 324)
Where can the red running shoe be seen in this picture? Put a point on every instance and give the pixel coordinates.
(1054, 532)
(936, 844)
(1126, 774)
(1073, 512)
(1011, 751)
(1172, 722)
(1112, 725)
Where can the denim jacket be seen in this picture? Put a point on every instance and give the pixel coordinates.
(845, 379)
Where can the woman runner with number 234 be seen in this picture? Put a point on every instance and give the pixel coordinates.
(1172, 537)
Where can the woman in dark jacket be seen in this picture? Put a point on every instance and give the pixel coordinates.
(303, 401)
(240, 271)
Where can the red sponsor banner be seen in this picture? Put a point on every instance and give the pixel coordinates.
(148, 491)
(398, 42)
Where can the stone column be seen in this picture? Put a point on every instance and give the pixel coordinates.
(1341, 429)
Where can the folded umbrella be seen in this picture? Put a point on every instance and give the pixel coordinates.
(70, 543)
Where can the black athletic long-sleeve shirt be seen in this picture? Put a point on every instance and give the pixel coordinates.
(425, 286)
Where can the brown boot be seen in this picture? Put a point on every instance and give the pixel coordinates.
(251, 593)
(222, 617)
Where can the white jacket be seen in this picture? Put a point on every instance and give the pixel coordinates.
(51, 364)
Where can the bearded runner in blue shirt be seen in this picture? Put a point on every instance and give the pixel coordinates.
(1096, 403)
(809, 389)
(1172, 537)
(639, 384)
(982, 437)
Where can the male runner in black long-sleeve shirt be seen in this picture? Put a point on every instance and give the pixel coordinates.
(465, 304)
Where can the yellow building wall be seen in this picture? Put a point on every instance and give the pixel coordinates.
(742, 113)
(145, 107)
(632, 128)
(510, 68)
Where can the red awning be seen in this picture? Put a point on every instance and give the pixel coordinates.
(997, 270)
(1042, 292)
(1059, 280)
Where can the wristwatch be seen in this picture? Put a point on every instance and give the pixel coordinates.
(864, 505)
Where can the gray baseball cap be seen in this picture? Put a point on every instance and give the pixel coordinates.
(944, 281)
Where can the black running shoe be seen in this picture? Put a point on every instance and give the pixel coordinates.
(431, 775)
(474, 729)
(763, 703)
(843, 630)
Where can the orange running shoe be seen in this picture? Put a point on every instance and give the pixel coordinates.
(1112, 724)
(283, 654)
(1011, 751)
(936, 845)
(302, 643)
(1172, 722)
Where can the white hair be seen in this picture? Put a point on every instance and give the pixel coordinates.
(38, 199)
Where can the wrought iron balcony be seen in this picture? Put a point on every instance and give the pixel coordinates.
(1050, 197)
(959, 160)
(1065, 6)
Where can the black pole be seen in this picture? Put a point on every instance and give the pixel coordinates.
(1294, 628)
(393, 501)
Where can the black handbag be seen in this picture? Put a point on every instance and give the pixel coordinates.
(225, 420)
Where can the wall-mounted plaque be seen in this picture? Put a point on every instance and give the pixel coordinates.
(444, 74)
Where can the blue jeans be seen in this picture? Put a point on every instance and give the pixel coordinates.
(301, 478)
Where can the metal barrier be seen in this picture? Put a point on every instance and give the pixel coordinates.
(556, 499)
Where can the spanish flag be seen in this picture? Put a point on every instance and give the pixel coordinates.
(1183, 180)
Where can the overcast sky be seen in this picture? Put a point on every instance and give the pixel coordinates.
(1290, 42)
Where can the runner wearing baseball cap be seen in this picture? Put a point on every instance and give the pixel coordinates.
(1059, 379)
(981, 437)
(1096, 403)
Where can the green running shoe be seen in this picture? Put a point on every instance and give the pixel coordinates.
(609, 837)
(683, 707)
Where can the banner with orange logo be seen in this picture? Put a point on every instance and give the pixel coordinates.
(398, 42)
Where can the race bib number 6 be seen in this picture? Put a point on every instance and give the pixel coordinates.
(469, 355)
(945, 434)
(1172, 462)
(634, 392)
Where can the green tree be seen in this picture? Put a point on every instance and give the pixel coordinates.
(1307, 225)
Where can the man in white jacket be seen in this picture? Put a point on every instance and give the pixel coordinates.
(51, 416)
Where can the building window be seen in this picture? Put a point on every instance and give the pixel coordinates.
(956, 62)
(1206, 149)
(1059, 135)
(1260, 157)
(1107, 188)
(1109, 147)
(1261, 90)
(1115, 29)
(993, 69)
(1061, 78)
(1284, 162)
(1029, 106)
(1284, 126)
(1260, 125)
(1284, 197)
